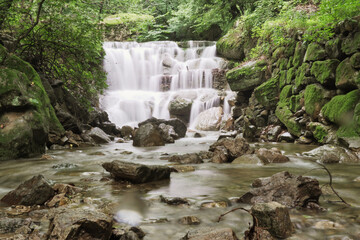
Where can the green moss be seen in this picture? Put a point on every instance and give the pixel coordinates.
(295, 102)
(282, 79)
(285, 93)
(315, 99)
(231, 45)
(355, 60)
(289, 65)
(314, 52)
(278, 53)
(347, 77)
(351, 44)
(299, 54)
(286, 117)
(324, 71)
(3, 53)
(282, 63)
(351, 129)
(291, 73)
(340, 109)
(302, 74)
(320, 131)
(267, 93)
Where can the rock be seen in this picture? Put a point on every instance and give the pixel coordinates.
(127, 233)
(330, 153)
(11, 225)
(189, 220)
(219, 79)
(136, 173)
(98, 135)
(211, 234)
(215, 204)
(315, 98)
(273, 133)
(267, 93)
(79, 223)
(179, 126)
(314, 52)
(182, 168)
(66, 189)
(303, 140)
(286, 137)
(209, 120)
(322, 133)
(198, 135)
(324, 71)
(247, 159)
(246, 77)
(273, 217)
(64, 166)
(127, 132)
(326, 224)
(271, 156)
(347, 77)
(286, 117)
(300, 50)
(148, 135)
(35, 191)
(189, 158)
(174, 201)
(58, 200)
(351, 142)
(120, 140)
(227, 149)
(168, 133)
(180, 108)
(110, 128)
(351, 44)
(355, 60)
(284, 188)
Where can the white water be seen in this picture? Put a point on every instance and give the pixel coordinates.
(144, 77)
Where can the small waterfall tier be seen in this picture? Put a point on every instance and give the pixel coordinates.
(162, 80)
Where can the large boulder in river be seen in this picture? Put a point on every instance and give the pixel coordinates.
(333, 154)
(148, 135)
(210, 234)
(76, 223)
(180, 108)
(98, 135)
(136, 173)
(209, 120)
(271, 156)
(26, 113)
(285, 188)
(178, 125)
(35, 191)
(227, 149)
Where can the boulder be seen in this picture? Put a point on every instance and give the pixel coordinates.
(179, 126)
(180, 108)
(271, 156)
(285, 137)
(325, 71)
(315, 98)
(211, 234)
(98, 135)
(209, 120)
(126, 232)
(247, 159)
(189, 220)
(333, 154)
(322, 133)
(168, 133)
(127, 132)
(230, 148)
(288, 119)
(136, 173)
(314, 52)
(76, 223)
(347, 77)
(268, 92)
(11, 225)
(35, 191)
(273, 217)
(285, 188)
(273, 133)
(188, 158)
(148, 135)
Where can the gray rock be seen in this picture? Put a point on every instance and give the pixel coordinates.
(189, 220)
(273, 217)
(98, 135)
(189, 158)
(136, 173)
(148, 135)
(180, 108)
(209, 120)
(35, 191)
(76, 223)
(11, 225)
(127, 132)
(273, 133)
(179, 126)
(285, 188)
(286, 137)
(333, 154)
(247, 159)
(210, 234)
(271, 156)
(168, 133)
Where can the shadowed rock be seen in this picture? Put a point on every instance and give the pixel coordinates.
(136, 173)
(211, 234)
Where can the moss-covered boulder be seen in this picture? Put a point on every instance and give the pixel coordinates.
(352, 128)
(26, 115)
(340, 109)
(314, 52)
(347, 77)
(300, 50)
(282, 63)
(351, 44)
(355, 60)
(333, 48)
(283, 80)
(247, 76)
(267, 93)
(324, 71)
(322, 133)
(296, 102)
(285, 93)
(315, 97)
(303, 77)
(288, 119)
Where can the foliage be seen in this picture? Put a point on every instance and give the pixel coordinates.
(124, 18)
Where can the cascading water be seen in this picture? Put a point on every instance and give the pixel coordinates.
(144, 77)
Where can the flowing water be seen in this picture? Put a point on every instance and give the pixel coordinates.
(144, 77)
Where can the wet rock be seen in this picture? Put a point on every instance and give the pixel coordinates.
(273, 133)
(35, 191)
(127, 132)
(58, 200)
(303, 140)
(168, 133)
(215, 204)
(285, 188)
(11, 225)
(273, 217)
(127, 233)
(271, 156)
(66, 189)
(219, 79)
(209, 120)
(285, 137)
(174, 200)
(210, 234)
(136, 173)
(333, 154)
(198, 135)
(120, 140)
(180, 108)
(110, 128)
(227, 149)
(182, 168)
(80, 224)
(98, 135)
(189, 158)
(179, 126)
(189, 220)
(247, 159)
(148, 135)
(351, 142)
(64, 166)
(326, 224)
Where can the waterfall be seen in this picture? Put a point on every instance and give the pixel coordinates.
(144, 78)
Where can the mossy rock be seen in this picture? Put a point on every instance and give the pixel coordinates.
(296, 102)
(314, 52)
(283, 79)
(355, 60)
(289, 65)
(282, 63)
(290, 75)
(325, 71)
(351, 129)
(287, 118)
(315, 97)
(300, 50)
(333, 48)
(347, 77)
(285, 93)
(267, 93)
(3, 53)
(303, 77)
(247, 77)
(278, 53)
(322, 134)
(232, 44)
(340, 109)
(351, 44)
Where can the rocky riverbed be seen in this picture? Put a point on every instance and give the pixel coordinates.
(192, 199)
